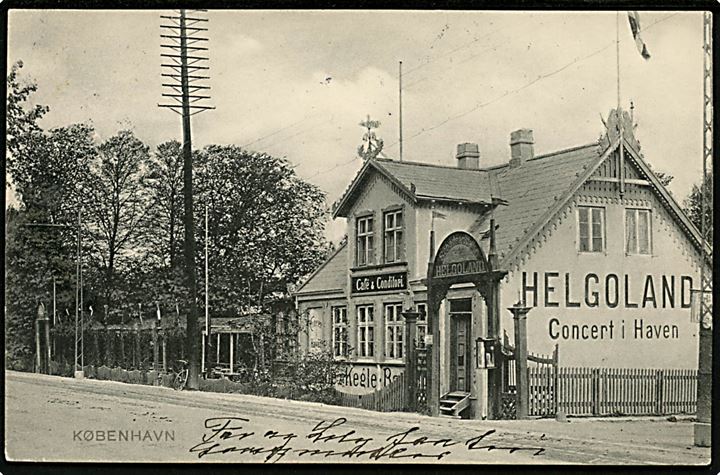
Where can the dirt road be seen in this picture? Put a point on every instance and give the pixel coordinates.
(62, 419)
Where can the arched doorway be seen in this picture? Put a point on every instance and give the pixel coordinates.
(460, 259)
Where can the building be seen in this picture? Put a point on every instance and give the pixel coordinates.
(588, 237)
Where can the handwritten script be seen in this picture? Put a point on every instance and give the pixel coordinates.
(336, 440)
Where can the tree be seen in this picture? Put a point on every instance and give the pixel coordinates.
(693, 204)
(266, 227)
(165, 182)
(22, 122)
(665, 178)
(117, 204)
(42, 166)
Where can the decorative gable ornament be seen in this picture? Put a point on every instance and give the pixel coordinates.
(615, 122)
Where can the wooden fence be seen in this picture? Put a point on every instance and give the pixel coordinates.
(632, 391)
(387, 399)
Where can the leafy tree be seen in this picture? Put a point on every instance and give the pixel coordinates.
(46, 169)
(693, 204)
(665, 178)
(165, 182)
(266, 227)
(117, 204)
(22, 121)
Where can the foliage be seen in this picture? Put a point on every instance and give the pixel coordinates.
(22, 123)
(116, 203)
(266, 226)
(165, 183)
(693, 205)
(266, 229)
(41, 166)
(665, 178)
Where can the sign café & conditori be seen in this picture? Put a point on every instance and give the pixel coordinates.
(379, 282)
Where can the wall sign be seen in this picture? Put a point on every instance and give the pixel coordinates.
(459, 255)
(379, 283)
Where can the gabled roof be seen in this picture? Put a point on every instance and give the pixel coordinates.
(541, 187)
(330, 276)
(422, 181)
(532, 190)
(668, 201)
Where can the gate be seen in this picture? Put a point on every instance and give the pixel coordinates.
(542, 383)
(421, 379)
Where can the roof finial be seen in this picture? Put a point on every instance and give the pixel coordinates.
(373, 145)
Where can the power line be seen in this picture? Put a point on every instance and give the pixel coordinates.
(525, 86)
(492, 101)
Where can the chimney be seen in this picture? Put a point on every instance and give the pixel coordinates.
(468, 156)
(521, 146)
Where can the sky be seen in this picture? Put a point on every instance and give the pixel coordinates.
(296, 84)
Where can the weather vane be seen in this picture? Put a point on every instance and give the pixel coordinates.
(372, 145)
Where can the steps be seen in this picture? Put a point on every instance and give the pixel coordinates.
(453, 403)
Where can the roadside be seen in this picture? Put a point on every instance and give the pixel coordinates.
(40, 407)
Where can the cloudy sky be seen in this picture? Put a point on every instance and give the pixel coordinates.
(296, 84)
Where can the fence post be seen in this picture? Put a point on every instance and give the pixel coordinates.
(556, 385)
(164, 351)
(156, 350)
(595, 389)
(659, 391)
(411, 317)
(521, 354)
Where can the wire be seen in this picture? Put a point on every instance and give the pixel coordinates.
(485, 104)
(525, 86)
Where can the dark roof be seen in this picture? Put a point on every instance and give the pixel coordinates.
(531, 189)
(331, 275)
(533, 193)
(422, 181)
(431, 181)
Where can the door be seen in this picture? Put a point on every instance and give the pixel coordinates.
(460, 352)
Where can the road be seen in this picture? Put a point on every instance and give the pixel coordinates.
(50, 418)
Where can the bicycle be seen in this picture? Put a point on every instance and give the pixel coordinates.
(182, 377)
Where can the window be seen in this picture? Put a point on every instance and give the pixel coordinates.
(365, 241)
(340, 332)
(591, 229)
(394, 331)
(393, 236)
(366, 331)
(637, 231)
(315, 333)
(422, 324)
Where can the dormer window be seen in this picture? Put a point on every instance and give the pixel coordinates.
(393, 235)
(364, 232)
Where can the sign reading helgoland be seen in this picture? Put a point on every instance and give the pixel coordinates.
(459, 255)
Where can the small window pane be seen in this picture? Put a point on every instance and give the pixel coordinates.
(644, 232)
(630, 231)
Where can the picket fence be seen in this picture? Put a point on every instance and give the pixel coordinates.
(390, 398)
(618, 391)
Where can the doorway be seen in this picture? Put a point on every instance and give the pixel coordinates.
(460, 335)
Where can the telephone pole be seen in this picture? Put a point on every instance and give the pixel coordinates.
(185, 63)
(702, 430)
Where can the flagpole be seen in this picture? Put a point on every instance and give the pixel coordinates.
(617, 54)
(621, 156)
(400, 109)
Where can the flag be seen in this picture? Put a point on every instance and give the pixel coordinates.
(158, 310)
(634, 19)
(438, 215)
